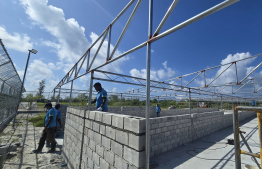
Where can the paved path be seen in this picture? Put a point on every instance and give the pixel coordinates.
(211, 152)
(29, 137)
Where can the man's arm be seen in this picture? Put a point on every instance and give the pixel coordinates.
(104, 102)
(93, 101)
(49, 121)
(59, 121)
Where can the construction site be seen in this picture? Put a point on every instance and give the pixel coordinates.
(205, 121)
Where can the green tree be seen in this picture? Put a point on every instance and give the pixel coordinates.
(41, 89)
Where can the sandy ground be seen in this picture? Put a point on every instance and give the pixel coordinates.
(28, 136)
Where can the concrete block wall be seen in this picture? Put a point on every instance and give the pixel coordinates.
(110, 140)
(172, 131)
(206, 123)
(73, 136)
(118, 141)
(228, 118)
(169, 132)
(173, 112)
(63, 110)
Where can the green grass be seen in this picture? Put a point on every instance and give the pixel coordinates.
(38, 121)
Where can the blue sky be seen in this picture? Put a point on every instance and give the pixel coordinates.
(62, 31)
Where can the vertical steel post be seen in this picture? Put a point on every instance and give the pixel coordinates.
(70, 99)
(236, 138)
(260, 134)
(236, 72)
(53, 99)
(109, 41)
(121, 102)
(221, 102)
(189, 95)
(88, 58)
(88, 109)
(90, 90)
(148, 61)
(59, 95)
(22, 87)
(232, 104)
(2, 86)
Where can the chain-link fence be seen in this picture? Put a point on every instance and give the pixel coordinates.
(10, 86)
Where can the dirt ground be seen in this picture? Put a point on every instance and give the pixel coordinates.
(28, 136)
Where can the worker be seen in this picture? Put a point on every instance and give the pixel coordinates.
(158, 110)
(48, 132)
(101, 98)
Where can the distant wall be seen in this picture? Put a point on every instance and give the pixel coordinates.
(140, 111)
(170, 132)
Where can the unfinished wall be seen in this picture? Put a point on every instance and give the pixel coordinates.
(118, 141)
(63, 110)
(170, 132)
(110, 140)
(173, 112)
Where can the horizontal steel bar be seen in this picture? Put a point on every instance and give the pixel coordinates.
(257, 109)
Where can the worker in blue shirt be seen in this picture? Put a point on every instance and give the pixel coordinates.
(101, 98)
(48, 132)
(58, 117)
(253, 103)
(158, 110)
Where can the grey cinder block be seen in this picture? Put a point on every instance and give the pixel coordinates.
(116, 148)
(109, 157)
(120, 163)
(106, 142)
(110, 132)
(122, 137)
(104, 164)
(100, 150)
(96, 158)
(107, 118)
(134, 157)
(135, 124)
(137, 142)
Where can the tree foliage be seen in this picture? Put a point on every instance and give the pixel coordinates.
(41, 89)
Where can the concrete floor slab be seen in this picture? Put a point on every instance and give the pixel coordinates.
(212, 151)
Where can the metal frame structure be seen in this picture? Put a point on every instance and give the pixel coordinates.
(10, 86)
(74, 73)
(237, 132)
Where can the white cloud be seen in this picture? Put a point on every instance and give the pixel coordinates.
(70, 43)
(142, 74)
(16, 41)
(37, 71)
(114, 90)
(157, 75)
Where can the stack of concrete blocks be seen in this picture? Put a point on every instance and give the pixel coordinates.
(169, 132)
(110, 140)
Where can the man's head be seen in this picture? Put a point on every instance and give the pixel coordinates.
(157, 105)
(97, 86)
(57, 106)
(48, 105)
